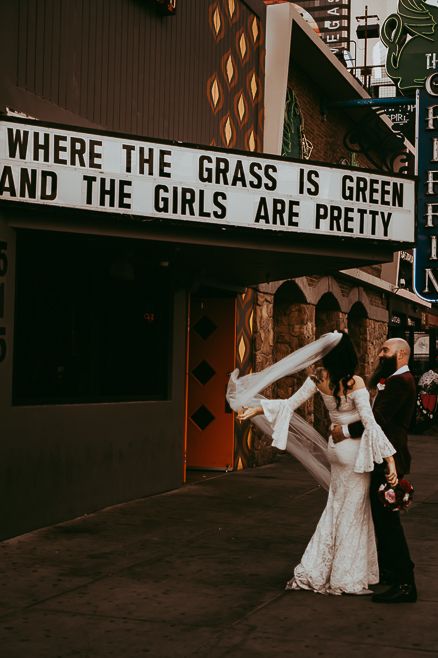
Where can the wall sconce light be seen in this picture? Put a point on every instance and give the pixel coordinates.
(167, 7)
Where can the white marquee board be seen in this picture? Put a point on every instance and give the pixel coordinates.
(110, 173)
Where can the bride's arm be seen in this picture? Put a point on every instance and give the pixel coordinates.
(304, 393)
(375, 447)
(278, 412)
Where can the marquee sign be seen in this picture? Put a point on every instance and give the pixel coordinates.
(426, 252)
(93, 171)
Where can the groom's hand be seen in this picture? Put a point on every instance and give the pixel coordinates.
(337, 433)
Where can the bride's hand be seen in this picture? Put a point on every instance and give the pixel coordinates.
(391, 476)
(245, 413)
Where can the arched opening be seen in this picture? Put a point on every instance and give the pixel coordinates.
(328, 317)
(294, 326)
(358, 332)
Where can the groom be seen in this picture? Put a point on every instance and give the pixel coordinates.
(393, 410)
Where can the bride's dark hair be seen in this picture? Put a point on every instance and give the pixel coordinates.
(341, 364)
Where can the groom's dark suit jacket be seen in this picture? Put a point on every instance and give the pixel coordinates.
(393, 410)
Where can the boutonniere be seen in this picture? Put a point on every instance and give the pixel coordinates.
(381, 384)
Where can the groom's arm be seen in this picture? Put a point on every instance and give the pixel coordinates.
(354, 430)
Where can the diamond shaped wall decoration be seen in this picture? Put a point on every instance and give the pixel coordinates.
(242, 348)
(253, 86)
(251, 141)
(214, 92)
(203, 372)
(255, 29)
(243, 48)
(204, 327)
(241, 108)
(217, 21)
(202, 417)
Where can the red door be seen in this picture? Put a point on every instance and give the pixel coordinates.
(210, 422)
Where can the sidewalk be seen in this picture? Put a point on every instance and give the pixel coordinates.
(199, 572)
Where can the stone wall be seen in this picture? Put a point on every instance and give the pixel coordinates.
(294, 326)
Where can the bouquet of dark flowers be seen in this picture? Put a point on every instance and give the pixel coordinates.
(396, 498)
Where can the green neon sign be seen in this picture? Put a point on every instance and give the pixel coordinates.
(411, 36)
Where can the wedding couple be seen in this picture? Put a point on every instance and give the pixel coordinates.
(357, 542)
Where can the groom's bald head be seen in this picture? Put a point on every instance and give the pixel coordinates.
(398, 348)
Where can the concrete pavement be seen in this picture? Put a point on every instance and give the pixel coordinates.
(200, 572)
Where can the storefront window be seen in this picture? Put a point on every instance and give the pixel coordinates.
(92, 321)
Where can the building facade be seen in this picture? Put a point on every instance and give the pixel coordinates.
(118, 327)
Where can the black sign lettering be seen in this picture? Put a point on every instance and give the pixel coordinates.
(146, 157)
(128, 148)
(321, 213)
(202, 211)
(161, 201)
(271, 183)
(78, 148)
(372, 190)
(205, 174)
(188, 197)
(361, 212)
(256, 180)
(49, 186)
(17, 140)
(95, 156)
(107, 190)
(222, 169)
(7, 183)
(309, 182)
(293, 213)
(239, 177)
(262, 213)
(218, 198)
(374, 214)
(59, 147)
(278, 211)
(41, 145)
(335, 218)
(89, 183)
(313, 180)
(348, 220)
(164, 164)
(386, 219)
(124, 200)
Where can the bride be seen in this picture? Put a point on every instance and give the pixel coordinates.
(341, 556)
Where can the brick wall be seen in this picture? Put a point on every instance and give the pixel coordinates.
(325, 133)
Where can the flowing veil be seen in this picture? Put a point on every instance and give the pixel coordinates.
(303, 441)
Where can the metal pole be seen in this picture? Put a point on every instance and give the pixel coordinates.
(365, 53)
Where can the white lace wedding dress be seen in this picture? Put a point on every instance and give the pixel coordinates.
(341, 556)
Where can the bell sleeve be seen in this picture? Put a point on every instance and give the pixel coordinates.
(374, 446)
(278, 413)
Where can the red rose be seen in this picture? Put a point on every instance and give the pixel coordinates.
(405, 485)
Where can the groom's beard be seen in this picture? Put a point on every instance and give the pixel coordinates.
(387, 367)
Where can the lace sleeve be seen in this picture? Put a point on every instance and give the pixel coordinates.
(279, 412)
(374, 445)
